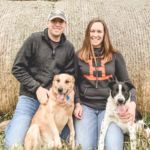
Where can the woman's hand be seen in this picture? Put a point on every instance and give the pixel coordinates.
(128, 115)
(78, 111)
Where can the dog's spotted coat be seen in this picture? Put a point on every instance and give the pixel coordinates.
(119, 96)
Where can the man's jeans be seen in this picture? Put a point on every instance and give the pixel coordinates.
(16, 130)
(88, 131)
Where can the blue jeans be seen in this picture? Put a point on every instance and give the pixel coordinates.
(88, 131)
(16, 130)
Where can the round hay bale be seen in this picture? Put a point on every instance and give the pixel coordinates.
(128, 23)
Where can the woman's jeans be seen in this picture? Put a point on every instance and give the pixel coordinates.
(16, 130)
(88, 131)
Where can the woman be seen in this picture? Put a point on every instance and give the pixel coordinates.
(98, 62)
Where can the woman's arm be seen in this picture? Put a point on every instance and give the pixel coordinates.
(122, 75)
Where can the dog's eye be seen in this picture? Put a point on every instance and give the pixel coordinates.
(67, 81)
(123, 90)
(58, 80)
(117, 89)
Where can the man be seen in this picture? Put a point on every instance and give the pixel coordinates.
(42, 55)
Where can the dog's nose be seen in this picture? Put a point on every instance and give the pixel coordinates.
(120, 100)
(60, 90)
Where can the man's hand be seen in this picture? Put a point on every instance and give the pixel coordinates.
(42, 95)
(78, 112)
(128, 115)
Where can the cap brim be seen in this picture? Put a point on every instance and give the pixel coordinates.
(54, 17)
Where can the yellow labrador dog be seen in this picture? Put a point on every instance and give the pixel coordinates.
(50, 119)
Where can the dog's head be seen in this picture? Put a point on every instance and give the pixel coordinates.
(120, 91)
(63, 85)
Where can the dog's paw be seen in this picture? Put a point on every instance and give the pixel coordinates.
(58, 144)
(73, 145)
(49, 145)
(72, 142)
(101, 148)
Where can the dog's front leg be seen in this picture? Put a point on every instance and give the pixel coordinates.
(55, 133)
(132, 134)
(103, 130)
(72, 132)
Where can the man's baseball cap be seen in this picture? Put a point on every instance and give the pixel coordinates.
(57, 14)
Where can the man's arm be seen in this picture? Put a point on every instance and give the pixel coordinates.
(21, 66)
(70, 64)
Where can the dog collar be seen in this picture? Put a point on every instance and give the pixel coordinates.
(68, 98)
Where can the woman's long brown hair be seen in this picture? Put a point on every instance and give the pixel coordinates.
(85, 52)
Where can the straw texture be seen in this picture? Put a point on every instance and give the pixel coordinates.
(128, 23)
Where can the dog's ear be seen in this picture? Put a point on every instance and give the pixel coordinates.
(73, 79)
(55, 77)
(130, 85)
(111, 84)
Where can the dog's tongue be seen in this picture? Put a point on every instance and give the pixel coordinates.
(60, 97)
(121, 108)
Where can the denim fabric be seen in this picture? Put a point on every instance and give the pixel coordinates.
(16, 130)
(88, 131)
(114, 138)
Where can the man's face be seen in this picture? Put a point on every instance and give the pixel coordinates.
(56, 27)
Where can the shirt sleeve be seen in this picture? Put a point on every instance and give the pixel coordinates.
(70, 64)
(121, 73)
(21, 65)
(78, 78)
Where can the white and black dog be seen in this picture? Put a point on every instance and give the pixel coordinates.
(119, 96)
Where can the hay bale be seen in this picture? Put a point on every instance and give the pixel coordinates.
(128, 23)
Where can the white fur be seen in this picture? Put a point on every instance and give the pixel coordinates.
(50, 119)
(112, 116)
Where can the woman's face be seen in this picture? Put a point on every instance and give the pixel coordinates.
(96, 34)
